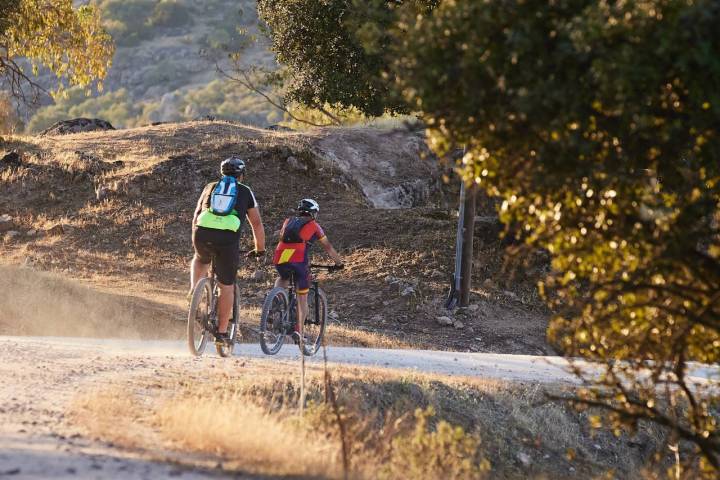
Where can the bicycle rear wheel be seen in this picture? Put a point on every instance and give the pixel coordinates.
(226, 349)
(314, 327)
(199, 316)
(272, 328)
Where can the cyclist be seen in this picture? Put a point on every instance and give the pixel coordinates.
(297, 235)
(217, 233)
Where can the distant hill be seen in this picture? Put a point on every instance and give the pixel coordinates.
(164, 66)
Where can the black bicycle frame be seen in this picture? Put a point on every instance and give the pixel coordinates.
(292, 300)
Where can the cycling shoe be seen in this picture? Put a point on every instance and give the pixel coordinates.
(222, 338)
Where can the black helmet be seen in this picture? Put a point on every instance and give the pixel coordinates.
(232, 166)
(308, 205)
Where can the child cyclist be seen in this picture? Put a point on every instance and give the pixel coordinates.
(297, 235)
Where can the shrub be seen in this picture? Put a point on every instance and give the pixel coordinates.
(446, 452)
(170, 13)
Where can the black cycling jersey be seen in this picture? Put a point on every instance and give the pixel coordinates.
(245, 201)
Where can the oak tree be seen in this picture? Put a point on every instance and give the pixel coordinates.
(68, 41)
(597, 124)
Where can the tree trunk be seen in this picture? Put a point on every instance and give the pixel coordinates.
(467, 250)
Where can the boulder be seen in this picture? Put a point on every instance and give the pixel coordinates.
(390, 280)
(6, 223)
(77, 125)
(279, 128)
(458, 324)
(12, 159)
(407, 291)
(524, 458)
(444, 321)
(296, 164)
(510, 294)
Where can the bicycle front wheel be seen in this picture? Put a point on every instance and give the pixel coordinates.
(199, 317)
(272, 321)
(314, 326)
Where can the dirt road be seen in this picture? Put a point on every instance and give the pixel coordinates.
(40, 376)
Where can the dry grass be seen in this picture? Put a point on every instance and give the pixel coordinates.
(101, 411)
(345, 336)
(233, 428)
(245, 419)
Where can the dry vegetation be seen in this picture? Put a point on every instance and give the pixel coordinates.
(396, 426)
(32, 302)
(112, 210)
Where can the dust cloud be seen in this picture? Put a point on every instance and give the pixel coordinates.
(43, 304)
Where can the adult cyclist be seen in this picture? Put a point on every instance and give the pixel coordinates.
(217, 234)
(291, 257)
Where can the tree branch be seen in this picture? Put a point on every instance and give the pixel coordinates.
(247, 82)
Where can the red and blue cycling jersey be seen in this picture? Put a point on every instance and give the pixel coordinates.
(291, 257)
(297, 252)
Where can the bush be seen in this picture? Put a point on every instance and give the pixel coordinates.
(446, 452)
(170, 13)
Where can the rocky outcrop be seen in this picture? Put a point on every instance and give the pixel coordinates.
(393, 169)
(77, 125)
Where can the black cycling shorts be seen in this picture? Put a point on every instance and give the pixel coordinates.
(221, 244)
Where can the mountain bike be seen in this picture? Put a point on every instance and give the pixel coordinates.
(202, 316)
(279, 316)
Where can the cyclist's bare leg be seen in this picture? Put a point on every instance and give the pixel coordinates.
(198, 270)
(279, 282)
(302, 299)
(225, 306)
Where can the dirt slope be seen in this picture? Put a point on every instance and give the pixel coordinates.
(112, 210)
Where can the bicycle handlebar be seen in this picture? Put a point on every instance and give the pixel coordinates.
(329, 268)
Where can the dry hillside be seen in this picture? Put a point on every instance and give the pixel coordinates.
(112, 210)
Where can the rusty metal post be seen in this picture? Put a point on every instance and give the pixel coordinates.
(467, 247)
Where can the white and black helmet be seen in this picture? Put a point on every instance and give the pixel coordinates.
(308, 205)
(232, 166)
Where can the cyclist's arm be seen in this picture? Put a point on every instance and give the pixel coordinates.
(330, 250)
(253, 216)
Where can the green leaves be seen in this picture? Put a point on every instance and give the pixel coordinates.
(68, 41)
(336, 52)
(595, 122)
